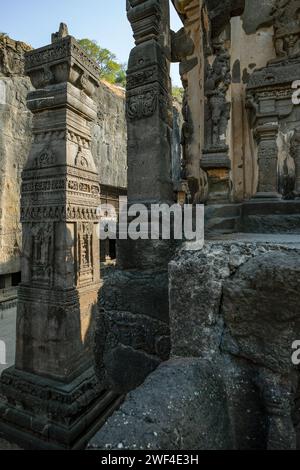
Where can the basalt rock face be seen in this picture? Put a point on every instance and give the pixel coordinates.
(109, 136)
(234, 316)
(15, 141)
(243, 310)
(180, 406)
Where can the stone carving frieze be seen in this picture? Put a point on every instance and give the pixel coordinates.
(62, 61)
(286, 20)
(274, 76)
(59, 213)
(63, 406)
(148, 75)
(65, 48)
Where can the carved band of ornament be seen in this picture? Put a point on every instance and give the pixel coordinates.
(49, 54)
(60, 184)
(62, 135)
(142, 77)
(42, 186)
(49, 135)
(148, 75)
(60, 405)
(67, 47)
(274, 76)
(276, 93)
(82, 57)
(58, 214)
(84, 187)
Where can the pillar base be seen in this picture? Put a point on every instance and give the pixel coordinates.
(42, 414)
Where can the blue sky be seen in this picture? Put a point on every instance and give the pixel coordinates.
(33, 21)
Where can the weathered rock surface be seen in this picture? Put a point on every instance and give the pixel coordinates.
(240, 304)
(15, 141)
(110, 136)
(132, 333)
(234, 307)
(180, 406)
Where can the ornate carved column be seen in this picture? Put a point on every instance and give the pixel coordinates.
(267, 155)
(149, 105)
(51, 396)
(133, 330)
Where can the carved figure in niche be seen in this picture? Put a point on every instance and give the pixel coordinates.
(217, 82)
(80, 159)
(42, 254)
(286, 20)
(85, 251)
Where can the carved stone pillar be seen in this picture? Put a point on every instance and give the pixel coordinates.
(51, 396)
(136, 294)
(187, 49)
(295, 146)
(267, 154)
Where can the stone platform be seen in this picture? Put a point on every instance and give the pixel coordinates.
(254, 216)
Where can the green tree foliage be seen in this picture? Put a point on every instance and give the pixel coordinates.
(110, 70)
(178, 92)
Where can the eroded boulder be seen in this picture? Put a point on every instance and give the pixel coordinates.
(182, 405)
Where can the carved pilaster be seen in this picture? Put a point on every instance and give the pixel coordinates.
(137, 292)
(267, 155)
(60, 258)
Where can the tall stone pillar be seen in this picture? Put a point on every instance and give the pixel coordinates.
(51, 397)
(133, 330)
(267, 154)
(188, 50)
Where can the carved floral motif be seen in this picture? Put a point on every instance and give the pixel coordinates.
(143, 104)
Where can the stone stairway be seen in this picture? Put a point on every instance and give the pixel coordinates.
(222, 218)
